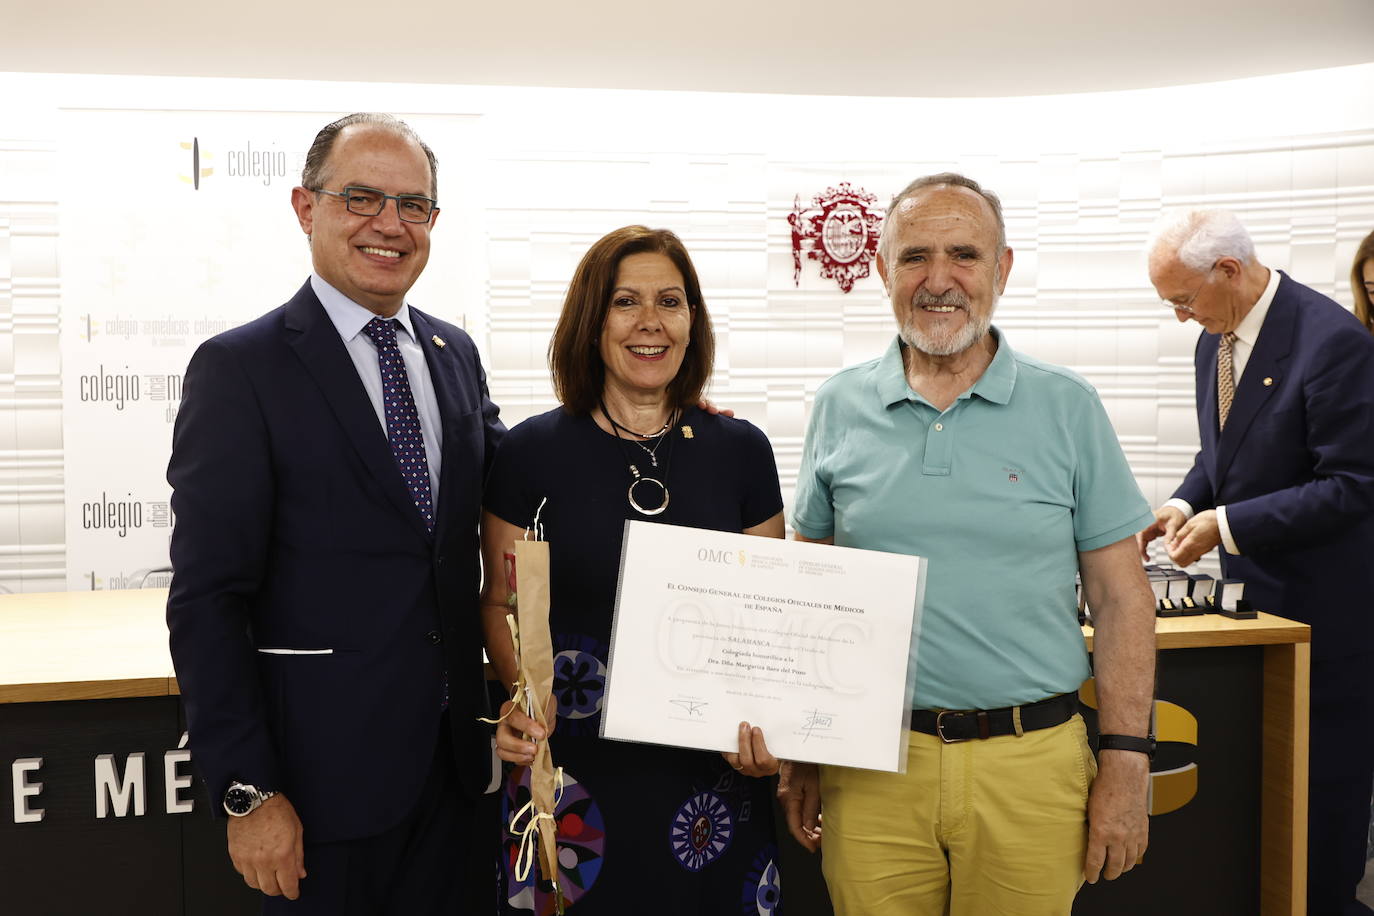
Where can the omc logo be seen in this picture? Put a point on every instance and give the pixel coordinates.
(1169, 789)
(726, 557)
(197, 170)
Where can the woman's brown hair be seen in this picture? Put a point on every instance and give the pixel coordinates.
(1364, 309)
(574, 357)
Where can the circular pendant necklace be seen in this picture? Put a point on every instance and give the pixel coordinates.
(653, 480)
(641, 478)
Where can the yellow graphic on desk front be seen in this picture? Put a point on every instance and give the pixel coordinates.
(1169, 789)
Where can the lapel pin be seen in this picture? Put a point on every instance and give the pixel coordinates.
(439, 342)
(1268, 381)
(686, 432)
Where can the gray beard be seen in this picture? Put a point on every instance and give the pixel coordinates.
(950, 342)
(944, 344)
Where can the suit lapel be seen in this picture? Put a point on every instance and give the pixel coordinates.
(316, 342)
(1266, 362)
(443, 372)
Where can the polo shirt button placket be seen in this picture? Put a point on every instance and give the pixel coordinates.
(939, 448)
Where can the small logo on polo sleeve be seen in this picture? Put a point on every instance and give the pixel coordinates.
(1013, 474)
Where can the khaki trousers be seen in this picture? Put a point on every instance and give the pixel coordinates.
(978, 828)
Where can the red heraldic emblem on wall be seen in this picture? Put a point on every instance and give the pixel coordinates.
(840, 230)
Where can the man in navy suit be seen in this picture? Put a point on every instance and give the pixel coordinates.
(327, 466)
(1284, 483)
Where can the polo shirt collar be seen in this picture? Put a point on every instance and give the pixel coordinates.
(891, 376)
(999, 378)
(994, 385)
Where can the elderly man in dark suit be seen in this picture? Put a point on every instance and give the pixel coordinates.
(1284, 483)
(327, 466)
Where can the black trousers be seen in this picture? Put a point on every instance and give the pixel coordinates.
(1340, 773)
(427, 865)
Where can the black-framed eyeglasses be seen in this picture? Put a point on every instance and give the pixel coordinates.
(412, 208)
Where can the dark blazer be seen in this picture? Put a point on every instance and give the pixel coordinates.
(294, 530)
(1295, 468)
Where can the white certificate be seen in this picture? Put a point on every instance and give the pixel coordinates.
(807, 641)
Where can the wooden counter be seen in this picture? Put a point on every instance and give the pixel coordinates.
(1210, 630)
(113, 644)
(94, 645)
(84, 646)
(1284, 743)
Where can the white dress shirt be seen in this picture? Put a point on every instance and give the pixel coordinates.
(1247, 334)
(349, 319)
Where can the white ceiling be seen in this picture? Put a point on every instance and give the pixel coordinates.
(829, 47)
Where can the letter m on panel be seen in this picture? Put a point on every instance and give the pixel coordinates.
(115, 794)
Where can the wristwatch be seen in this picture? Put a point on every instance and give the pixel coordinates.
(241, 799)
(1144, 745)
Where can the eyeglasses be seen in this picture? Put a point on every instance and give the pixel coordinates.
(1187, 306)
(412, 208)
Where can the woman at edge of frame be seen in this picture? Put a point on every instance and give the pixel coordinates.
(1362, 281)
(640, 826)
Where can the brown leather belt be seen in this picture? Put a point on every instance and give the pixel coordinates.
(951, 725)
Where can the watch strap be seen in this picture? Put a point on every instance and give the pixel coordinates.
(1144, 746)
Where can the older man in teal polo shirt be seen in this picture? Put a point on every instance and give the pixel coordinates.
(1005, 473)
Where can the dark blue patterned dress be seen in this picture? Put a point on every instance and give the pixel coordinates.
(642, 828)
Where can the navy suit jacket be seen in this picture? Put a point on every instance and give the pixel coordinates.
(1295, 468)
(295, 531)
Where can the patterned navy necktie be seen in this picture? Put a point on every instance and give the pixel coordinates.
(402, 420)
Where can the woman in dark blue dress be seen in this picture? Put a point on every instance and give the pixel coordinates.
(642, 828)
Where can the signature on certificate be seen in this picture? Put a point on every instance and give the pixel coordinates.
(690, 706)
(816, 721)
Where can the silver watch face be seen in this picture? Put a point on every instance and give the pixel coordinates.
(240, 800)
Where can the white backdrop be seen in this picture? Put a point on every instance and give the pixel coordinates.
(104, 235)
(156, 265)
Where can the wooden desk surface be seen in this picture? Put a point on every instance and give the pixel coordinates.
(1214, 630)
(84, 646)
(95, 645)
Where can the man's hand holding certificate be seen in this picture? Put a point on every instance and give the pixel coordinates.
(807, 641)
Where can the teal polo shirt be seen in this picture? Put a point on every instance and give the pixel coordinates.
(1000, 493)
